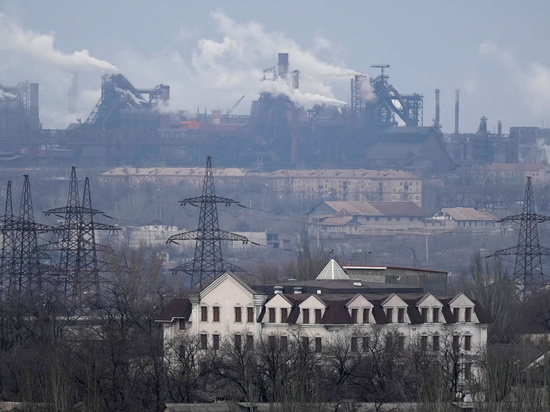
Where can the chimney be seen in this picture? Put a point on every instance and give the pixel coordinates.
(165, 103)
(296, 79)
(282, 66)
(34, 117)
(437, 125)
(457, 94)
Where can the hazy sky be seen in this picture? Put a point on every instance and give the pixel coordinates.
(212, 52)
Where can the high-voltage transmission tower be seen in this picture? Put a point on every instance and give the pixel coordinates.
(528, 274)
(78, 270)
(20, 267)
(208, 262)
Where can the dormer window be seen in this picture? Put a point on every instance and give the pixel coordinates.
(354, 315)
(456, 314)
(366, 314)
(468, 315)
(271, 315)
(284, 315)
(182, 324)
(389, 314)
(305, 315)
(435, 315)
(401, 315)
(318, 316)
(425, 315)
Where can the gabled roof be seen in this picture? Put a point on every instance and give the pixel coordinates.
(467, 213)
(176, 309)
(332, 271)
(216, 282)
(364, 208)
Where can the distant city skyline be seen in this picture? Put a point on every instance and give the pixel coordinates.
(211, 53)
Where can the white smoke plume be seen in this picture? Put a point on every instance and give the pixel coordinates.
(41, 47)
(204, 72)
(531, 82)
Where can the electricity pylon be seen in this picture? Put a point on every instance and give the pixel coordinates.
(528, 274)
(20, 270)
(78, 269)
(208, 262)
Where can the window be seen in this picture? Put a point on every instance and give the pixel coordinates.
(284, 315)
(354, 315)
(238, 314)
(271, 315)
(216, 342)
(455, 342)
(423, 343)
(401, 315)
(318, 345)
(467, 342)
(250, 315)
(389, 315)
(366, 343)
(238, 340)
(305, 341)
(204, 341)
(468, 371)
(425, 315)
(317, 315)
(284, 343)
(249, 341)
(216, 313)
(456, 314)
(435, 315)
(401, 342)
(182, 324)
(354, 344)
(305, 315)
(468, 315)
(366, 313)
(435, 343)
(271, 342)
(204, 314)
(182, 352)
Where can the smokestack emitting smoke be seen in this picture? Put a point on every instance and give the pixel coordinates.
(457, 94)
(437, 125)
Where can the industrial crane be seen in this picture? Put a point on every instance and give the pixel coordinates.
(230, 110)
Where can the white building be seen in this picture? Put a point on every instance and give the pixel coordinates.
(319, 309)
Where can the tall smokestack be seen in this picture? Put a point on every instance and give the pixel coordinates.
(499, 129)
(34, 116)
(282, 66)
(457, 94)
(296, 79)
(165, 103)
(73, 93)
(437, 125)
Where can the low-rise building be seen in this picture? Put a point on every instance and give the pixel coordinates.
(359, 218)
(462, 218)
(330, 306)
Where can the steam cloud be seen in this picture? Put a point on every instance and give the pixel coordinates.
(202, 72)
(532, 82)
(40, 47)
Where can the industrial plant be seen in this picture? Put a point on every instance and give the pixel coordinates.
(380, 128)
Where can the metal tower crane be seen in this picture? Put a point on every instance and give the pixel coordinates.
(528, 274)
(208, 262)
